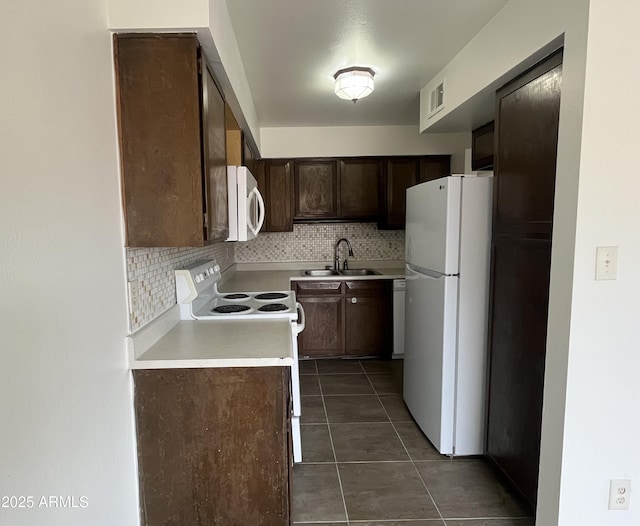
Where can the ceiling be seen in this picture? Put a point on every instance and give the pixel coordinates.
(291, 49)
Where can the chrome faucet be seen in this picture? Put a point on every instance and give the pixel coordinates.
(336, 257)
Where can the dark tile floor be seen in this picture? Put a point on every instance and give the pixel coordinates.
(366, 463)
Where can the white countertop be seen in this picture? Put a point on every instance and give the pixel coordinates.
(220, 343)
(167, 342)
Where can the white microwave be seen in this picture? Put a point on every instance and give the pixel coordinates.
(246, 205)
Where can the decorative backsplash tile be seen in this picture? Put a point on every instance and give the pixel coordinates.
(314, 242)
(153, 271)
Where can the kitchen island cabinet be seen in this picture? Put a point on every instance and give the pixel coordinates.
(171, 119)
(345, 317)
(214, 445)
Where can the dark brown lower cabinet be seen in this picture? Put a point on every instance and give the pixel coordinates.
(323, 334)
(213, 446)
(368, 317)
(346, 318)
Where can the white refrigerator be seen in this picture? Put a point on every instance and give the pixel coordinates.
(448, 234)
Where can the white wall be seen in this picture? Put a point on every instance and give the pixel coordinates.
(66, 407)
(593, 363)
(602, 427)
(362, 140)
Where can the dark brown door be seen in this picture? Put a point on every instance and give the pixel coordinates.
(401, 173)
(212, 446)
(160, 140)
(214, 158)
(433, 167)
(323, 306)
(525, 156)
(482, 144)
(368, 318)
(275, 181)
(359, 187)
(316, 189)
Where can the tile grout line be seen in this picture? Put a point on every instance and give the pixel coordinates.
(333, 449)
(405, 448)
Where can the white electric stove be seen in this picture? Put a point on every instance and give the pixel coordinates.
(199, 299)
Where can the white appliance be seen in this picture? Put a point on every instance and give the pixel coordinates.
(246, 205)
(398, 318)
(448, 235)
(198, 298)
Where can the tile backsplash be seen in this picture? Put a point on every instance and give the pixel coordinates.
(152, 270)
(314, 242)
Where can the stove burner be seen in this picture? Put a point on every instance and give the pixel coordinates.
(273, 307)
(272, 296)
(230, 309)
(238, 296)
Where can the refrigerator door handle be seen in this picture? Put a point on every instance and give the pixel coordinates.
(427, 273)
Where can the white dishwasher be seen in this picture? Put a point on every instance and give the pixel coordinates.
(398, 318)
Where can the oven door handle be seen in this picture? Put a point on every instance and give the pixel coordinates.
(300, 326)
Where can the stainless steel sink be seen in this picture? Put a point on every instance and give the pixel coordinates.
(349, 272)
(359, 272)
(320, 273)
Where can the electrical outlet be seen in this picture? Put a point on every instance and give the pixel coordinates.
(619, 494)
(134, 295)
(606, 263)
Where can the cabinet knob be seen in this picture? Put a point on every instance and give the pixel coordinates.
(354, 300)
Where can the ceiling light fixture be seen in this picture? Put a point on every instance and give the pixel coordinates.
(354, 83)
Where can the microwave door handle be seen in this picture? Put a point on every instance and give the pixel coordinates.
(255, 193)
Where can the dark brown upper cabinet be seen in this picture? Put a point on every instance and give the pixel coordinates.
(482, 139)
(172, 142)
(433, 167)
(359, 181)
(275, 182)
(316, 189)
(401, 173)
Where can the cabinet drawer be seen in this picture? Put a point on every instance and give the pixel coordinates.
(363, 287)
(315, 288)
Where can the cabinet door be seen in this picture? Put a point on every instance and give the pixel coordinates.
(248, 157)
(482, 147)
(359, 188)
(368, 318)
(323, 306)
(215, 158)
(401, 173)
(212, 446)
(278, 195)
(433, 167)
(158, 104)
(527, 127)
(316, 189)
(520, 297)
(527, 111)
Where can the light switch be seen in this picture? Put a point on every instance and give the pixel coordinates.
(606, 263)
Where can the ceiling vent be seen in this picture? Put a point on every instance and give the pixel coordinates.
(436, 99)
